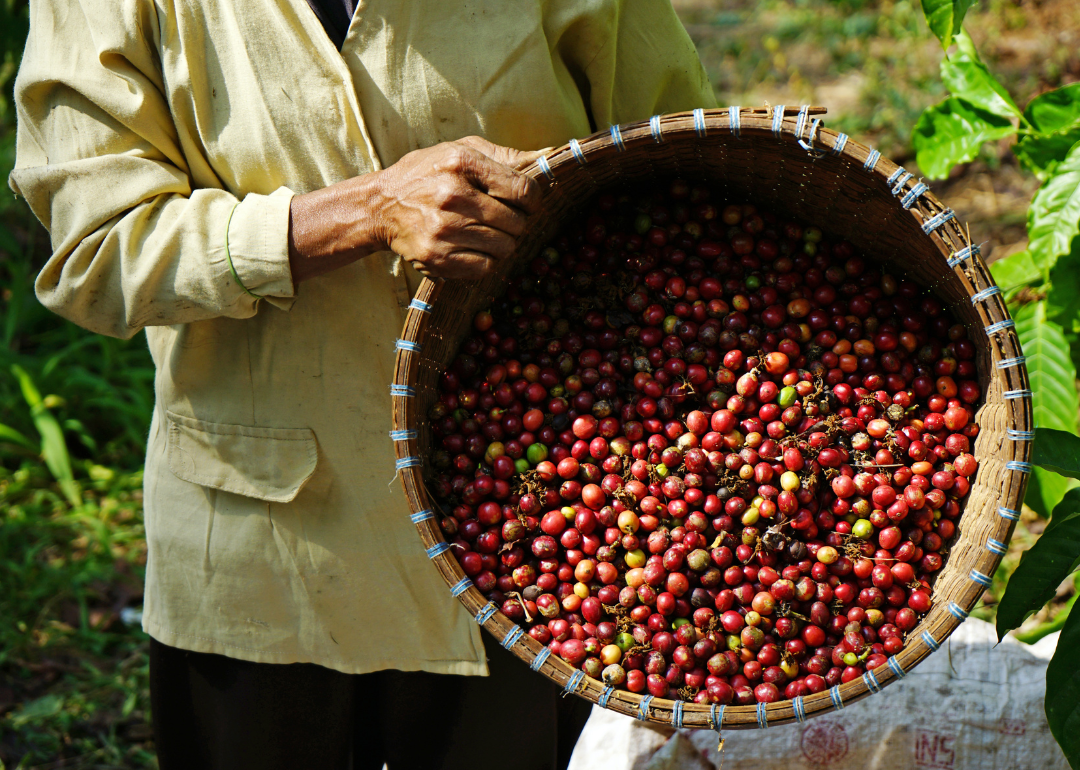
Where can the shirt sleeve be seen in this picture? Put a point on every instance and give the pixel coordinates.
(633, 59)
(99, 161)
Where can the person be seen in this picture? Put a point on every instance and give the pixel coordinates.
(260, 190)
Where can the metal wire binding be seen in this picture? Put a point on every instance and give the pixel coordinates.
(643, 707)
(407, 462)
(996, 546)
(901, 182)
(616, 137)
(964, 253)
(733, 121)
(436, 549)
(762, 717)
(985, 294)
(512, 636)
(834, 693)
(871, 160)
(999, 326)
(980, 578)
(871, 682)
(460, 587)
(421, 516)
(930, 641)
(605, 696)
(716, 716)
(839, 144)
(1018, 393)
(654, 126)
(1005, 363)
(800, 120)
(1008, 513)
(800, 710)
(485, 614)
(778, 120)
(936, 221)
(894, 176)
(1017, 465)
(542, 162)
(895, 667)
(575, 147)
(1020, 435)
(541, 656)
(957, 611)
(573, 682)
(699, 122)
(403, 435)
(402, 390)
(913, 195)
(420, 305)
(676, 713)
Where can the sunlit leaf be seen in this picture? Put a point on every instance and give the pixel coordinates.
(968, 78)
(1054, 216)
(53, 447)
(944, 17)
(1015, 270)
(1055, 117)
(952, 132)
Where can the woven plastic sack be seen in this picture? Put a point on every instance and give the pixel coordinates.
(974, 704)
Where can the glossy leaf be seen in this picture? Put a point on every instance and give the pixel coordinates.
(1054, 401)
(1055, 119)
(1043, 567)
(1015, 270)
(968, 78)
(952, 132)
(1063, 690)
(1057, 451)
(944, 17)
(1054, 216)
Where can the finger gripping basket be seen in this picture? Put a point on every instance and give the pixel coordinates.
(785, 160)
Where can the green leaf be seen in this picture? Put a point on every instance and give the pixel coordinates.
(1043, 566)
(952, 132)
(13, 436)
(1054, 401)
(53, 447)
(1057, 451)
(968, 78)
(1055, 119)
(1054, 216)
(1015, 270)
(944, 17)
(1063, 690)
(1063, 294)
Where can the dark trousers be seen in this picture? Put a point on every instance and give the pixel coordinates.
(215, 713)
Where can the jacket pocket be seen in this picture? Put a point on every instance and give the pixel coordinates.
(269, 464)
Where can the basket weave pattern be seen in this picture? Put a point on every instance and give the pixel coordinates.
(785, 160)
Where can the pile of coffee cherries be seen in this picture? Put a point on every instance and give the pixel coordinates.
(704, 452)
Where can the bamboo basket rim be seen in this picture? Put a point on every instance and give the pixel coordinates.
(964, 264)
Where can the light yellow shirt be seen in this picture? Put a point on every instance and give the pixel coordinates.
(146, 131)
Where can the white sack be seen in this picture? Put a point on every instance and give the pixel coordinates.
(973, 705)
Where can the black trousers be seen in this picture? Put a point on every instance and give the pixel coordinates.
(215, 713)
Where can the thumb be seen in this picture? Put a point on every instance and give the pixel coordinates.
(507, 156)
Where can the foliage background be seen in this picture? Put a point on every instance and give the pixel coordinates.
(76, 406)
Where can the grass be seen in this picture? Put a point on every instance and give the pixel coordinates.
(73, 673)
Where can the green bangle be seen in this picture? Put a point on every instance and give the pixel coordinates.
(228, 256)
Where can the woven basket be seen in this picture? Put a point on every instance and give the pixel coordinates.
(782, 159)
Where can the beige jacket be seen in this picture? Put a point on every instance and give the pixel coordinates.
(154, 136)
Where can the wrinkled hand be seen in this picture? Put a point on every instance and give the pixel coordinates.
(452, 210)
(455, 209)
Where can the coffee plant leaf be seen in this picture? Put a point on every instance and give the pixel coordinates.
(1057, 451)
(1015, 270)
(1052, 377)
(1053, 558)
(944, 17)
(968, 78)
(1054, 120)
(1054, 216)
(1063, 691)
(952, 132)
